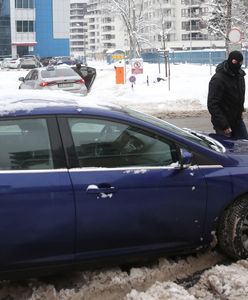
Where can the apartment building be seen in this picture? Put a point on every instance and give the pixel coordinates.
(175, 24)
(78, 29)
(34, 26)
(106, 32)
(178, 24)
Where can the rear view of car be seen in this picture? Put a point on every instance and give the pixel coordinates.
(54, 78)
(30, 62)
(11, 63)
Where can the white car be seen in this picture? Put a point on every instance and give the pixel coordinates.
(11, 63)
(60, 77)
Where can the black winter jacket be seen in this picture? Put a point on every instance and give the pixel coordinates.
(226, 97)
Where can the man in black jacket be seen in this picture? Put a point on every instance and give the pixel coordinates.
(226, 97)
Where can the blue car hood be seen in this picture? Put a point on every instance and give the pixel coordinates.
(232, 145)
(235, 150)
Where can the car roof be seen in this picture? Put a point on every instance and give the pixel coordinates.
(54, 67)
(36, 102)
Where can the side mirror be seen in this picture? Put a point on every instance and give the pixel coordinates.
(21, 79)
(185, 159)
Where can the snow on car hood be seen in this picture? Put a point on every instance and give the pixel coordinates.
(232, 145)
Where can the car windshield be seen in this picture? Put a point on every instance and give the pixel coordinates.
(65, 72)
(191, 135)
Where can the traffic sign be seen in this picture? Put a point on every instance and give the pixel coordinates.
(137, 66)
(132, 79)
(118, 56)
(235, 35)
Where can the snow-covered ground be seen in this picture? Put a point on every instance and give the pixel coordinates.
(187, 90)
(163, 279)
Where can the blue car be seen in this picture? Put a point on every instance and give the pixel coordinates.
(84, 183)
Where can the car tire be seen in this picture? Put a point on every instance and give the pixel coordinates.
(233, 229)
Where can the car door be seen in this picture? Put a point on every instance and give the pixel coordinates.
(30, 80)
(37, 217)
(130, 192)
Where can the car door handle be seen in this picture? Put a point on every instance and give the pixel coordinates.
(101, 189)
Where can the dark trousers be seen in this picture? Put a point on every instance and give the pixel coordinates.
(239, 132)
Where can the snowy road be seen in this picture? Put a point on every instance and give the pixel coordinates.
(197, 121)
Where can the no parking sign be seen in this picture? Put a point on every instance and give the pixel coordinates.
(137, 66)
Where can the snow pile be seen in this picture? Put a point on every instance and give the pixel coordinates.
(161, 291)
(111, 284)
(223, 282)
(218, 283)
(154, 283)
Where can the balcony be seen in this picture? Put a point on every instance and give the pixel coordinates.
(107, 37)
(108, 28)
(109, 45)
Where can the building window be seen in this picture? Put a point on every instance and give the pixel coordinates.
(25, 26)
(24, 3)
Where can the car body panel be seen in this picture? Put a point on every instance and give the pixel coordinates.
(37, 218)
(88, 74)
(145, 213)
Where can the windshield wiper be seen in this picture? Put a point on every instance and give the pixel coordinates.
(213, 144)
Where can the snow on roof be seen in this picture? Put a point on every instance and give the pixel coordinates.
(28, 100)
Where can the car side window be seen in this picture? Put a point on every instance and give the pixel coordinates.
(34, 75)
(101, 143)
(29, 76)
(25, 145)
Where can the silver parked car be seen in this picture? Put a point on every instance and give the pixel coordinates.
(29, 62)
(60, 77)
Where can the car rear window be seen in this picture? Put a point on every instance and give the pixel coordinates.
(67, 72)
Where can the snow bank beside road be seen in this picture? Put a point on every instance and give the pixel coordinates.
(218, 283)
(146, 283)
(188, 87)
(111, 284)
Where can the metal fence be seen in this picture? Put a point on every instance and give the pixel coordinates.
(210, 56)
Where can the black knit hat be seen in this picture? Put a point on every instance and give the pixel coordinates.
(238, 56)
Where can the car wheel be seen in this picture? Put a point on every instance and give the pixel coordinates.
(233, 229)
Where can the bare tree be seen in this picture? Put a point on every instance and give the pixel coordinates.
(132, 13)
(225, 14)
(240, 16)
(220, 18)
